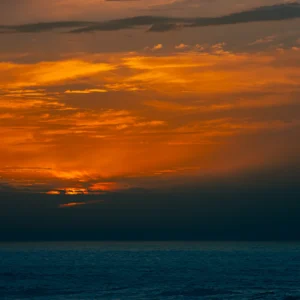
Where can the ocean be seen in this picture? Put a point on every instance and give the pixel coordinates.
(150, 270)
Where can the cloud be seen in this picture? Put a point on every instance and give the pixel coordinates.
(265, 40)
(86, 91)
(107, 186)
(278, 12)
(75, 204)
(237, 208)
(164, 27)
(42, 27)
(228, 127)
(126, 23)
(169, 106)
(260, 14)
(157, 47)
(154, 48)
(181, 46)
(44, 73)
(53, 193)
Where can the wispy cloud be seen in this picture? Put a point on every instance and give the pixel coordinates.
(75, 204)
(44, 73)
(86, 91)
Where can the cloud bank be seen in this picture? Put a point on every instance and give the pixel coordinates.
(287, 11)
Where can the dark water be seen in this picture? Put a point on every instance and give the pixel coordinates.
(150, 271)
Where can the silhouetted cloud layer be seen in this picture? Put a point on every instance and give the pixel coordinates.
(160, 24)
(246, 209)
(40, 27)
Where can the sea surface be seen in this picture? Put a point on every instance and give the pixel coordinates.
(150, 270)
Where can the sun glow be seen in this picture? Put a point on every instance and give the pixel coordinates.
(114, 121)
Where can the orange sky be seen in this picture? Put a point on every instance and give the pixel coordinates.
(172, 111)
(167, 112)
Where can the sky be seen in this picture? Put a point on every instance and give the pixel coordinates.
(103, 98)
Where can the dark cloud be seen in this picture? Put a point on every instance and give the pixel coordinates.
(162, 27)
(260, 14)
(126, 23)
(160, 24)
(40, 27)
(261, 205)
(217, 212)
(264, 13)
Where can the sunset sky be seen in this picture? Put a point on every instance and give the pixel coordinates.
(99, 96)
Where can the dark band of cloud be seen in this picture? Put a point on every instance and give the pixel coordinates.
(40, 27)
(279, 12)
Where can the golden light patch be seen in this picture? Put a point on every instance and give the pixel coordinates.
(44, 73)
(107, 186)
(53, 193)
(75, 204)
